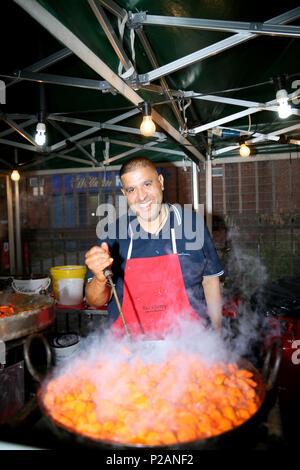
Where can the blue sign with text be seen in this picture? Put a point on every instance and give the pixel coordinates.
(82, 181)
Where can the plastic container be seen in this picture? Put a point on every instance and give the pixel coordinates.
(68, 283)
(34, 284)
(64, 346)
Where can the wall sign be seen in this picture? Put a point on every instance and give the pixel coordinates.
(83, 180)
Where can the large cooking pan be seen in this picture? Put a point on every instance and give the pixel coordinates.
(265, 384)
(33, 313)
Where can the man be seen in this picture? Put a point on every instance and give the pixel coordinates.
(162, 266)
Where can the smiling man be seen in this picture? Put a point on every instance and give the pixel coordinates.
(143, 188)
(160, 275)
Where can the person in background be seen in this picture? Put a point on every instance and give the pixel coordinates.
(165, 266)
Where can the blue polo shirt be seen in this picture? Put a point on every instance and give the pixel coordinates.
(191, 240)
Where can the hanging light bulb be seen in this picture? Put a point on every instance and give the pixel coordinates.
(15, 175)
(40, 136)
(244, 150)
(147, 127)
(284, 110)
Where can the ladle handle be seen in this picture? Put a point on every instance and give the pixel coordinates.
(108, 274)
(269, 373)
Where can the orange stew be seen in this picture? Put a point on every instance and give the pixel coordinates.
(7, 310)
(140, 402)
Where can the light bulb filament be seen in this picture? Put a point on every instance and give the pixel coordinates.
(147, 127)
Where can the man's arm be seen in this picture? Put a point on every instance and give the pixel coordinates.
(213, 297)
(97, 293)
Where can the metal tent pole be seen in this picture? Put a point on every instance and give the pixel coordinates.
(208, 206)
(19, 259)
(195, 187)
(11, 238)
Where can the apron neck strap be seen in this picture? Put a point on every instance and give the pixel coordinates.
(173, 238)
(130, 244)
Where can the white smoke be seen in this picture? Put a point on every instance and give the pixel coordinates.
(246, 270)
(245, 275)
(116, 367)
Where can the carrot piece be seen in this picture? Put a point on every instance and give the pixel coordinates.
(219, 379)
(244, 373)
(244, 414)
(204, 431)
(251, 382)
(152, 438)
(126, 352)
(168, 437)
(108, 426)
(186, 417)
(252, 407)
(186, 433)
(224, 424)
(216, 415)
(229, 413)
(142, 403)
(91, 417)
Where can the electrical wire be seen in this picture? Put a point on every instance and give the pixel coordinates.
(203, 145)
(211, 93)
(228, 90)
(249, 124)
(101, 110)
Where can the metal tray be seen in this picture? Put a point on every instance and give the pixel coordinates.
(33, 313)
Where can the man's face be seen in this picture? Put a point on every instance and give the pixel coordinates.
(143, 189)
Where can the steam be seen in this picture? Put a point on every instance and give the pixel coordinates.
(247, 274)
(184, 336)
(185, 341)
(246, 270)
(120, 370)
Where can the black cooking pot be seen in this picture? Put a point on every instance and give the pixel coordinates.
(265, 384)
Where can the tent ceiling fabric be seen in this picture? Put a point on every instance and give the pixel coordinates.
(207, 69)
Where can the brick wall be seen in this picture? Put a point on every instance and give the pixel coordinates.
(178, 185)
(261, 201)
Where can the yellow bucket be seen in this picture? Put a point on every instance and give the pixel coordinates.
(68, 283)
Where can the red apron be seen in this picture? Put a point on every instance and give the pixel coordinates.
(154, 296)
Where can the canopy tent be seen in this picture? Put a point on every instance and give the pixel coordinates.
(208, 71)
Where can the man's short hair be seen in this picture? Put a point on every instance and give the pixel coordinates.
(135, 163)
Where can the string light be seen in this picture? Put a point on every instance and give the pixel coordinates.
(244, 150)
(284, 108)
(15, 175)
(147, 127)
(40, 136)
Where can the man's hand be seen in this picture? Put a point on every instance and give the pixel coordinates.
(97, 292)
(98, 259)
